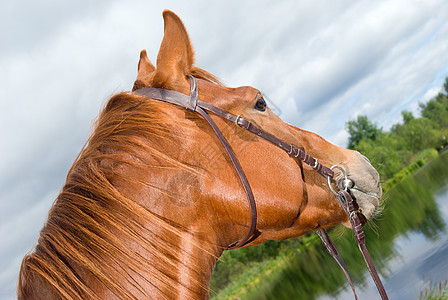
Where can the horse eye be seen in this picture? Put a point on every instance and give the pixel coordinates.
(260, 104)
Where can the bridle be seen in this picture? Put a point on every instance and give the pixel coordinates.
(193, 104)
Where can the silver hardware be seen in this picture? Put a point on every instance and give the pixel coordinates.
(291, 147)
(373, 195)
(316, 164)
(237, 120)
(347, 183)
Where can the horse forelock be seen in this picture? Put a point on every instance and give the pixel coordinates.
(93, 221)
(202, 74)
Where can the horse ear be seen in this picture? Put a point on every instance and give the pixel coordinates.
(145, 70)
(176, 56)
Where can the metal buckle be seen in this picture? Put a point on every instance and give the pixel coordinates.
(237, 121)
(290, 149)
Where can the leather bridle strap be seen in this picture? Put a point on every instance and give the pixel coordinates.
(331, 249)
(289, 148)
(185, 101)
(192, 103)
(253, 232)
(346, 201)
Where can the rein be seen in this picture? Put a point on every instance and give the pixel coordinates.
(193, 104)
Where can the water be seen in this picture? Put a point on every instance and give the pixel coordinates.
(408, 244)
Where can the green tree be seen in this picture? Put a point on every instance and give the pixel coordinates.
(407, 116)
(445, 85)
(417, 134)
(436, 110)
(359, 129)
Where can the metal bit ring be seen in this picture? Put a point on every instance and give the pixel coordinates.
(347, 182)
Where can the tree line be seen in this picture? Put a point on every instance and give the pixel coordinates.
(393, 150)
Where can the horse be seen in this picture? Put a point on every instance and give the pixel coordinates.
(153, 199)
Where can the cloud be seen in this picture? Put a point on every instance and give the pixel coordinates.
(321, 63)
(31, 23)
(324, 54)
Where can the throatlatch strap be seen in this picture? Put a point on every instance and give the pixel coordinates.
(250, 196)
(191, 103)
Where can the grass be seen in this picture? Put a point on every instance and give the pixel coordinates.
(434, 290)
(422, 158)
(249, 279)
(256, 273)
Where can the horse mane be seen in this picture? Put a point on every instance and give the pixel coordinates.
(202, 74)
(94, 213)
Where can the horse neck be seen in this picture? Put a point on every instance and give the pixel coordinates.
(187, 277)
(144, 255)
(195, 266)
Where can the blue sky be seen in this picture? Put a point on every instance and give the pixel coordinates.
(321, 62)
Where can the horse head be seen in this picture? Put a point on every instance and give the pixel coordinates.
(291, 198)
(153, 200)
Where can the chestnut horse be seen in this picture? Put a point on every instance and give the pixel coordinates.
(152, 200)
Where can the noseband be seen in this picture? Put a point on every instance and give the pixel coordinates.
(193, 104)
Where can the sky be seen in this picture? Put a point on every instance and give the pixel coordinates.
(320, 63)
